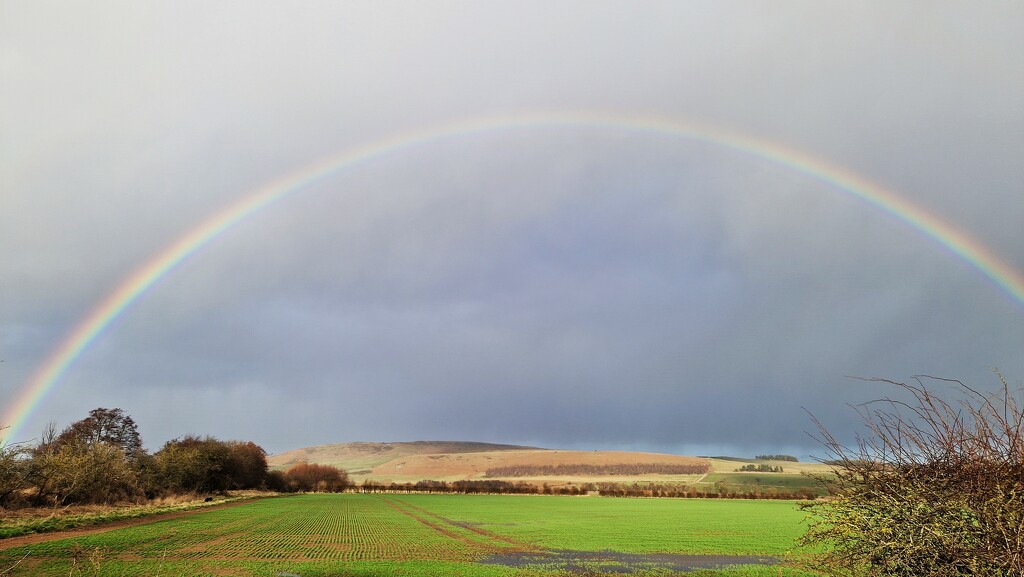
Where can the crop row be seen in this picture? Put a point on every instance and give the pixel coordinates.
(351, 528)
(314, 535)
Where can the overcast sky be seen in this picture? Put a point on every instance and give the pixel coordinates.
(588, 286)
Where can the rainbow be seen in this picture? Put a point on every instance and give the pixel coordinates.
(138, 282)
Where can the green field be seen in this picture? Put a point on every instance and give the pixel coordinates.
(357, 534)
(763, 482)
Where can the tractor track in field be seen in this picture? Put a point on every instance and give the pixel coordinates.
(34, 538)
(519, 554)
(430, 524)
(442, 526)
(475, 529)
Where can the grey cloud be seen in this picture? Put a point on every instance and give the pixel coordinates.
(583, 287)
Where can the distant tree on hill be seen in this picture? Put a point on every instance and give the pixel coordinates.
(790, 458)
(761, 468)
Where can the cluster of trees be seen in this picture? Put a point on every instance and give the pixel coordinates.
(12, 473)
(935, 488)
(584, 470)
(717, 491)
(465, 487)
(308, 478)
(789, 458)
(100, 459)
(761, 468)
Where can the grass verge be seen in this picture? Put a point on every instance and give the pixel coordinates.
(47, 520)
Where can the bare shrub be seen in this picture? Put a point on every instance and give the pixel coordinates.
(13, 472)
(936, 487)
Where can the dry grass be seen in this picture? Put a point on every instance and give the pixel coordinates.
(474, 465)
(365, 456)
(166, 502)
(455, 461)
(730, 465)
(30, 520)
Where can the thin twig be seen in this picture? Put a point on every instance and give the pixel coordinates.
(16, 563)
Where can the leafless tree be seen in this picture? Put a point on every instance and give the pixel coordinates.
(13, 471)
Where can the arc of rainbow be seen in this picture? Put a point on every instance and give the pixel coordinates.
(132, 287)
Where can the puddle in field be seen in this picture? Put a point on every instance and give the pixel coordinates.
(616, 562)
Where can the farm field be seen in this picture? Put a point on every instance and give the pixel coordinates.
(782, 482)
(449, 461)
(409, 462)
(471, 535)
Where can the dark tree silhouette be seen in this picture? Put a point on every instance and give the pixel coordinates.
(317, 478)
(110, 426)
(246, 465)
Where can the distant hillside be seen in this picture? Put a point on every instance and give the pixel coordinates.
(450, 461)
(360, 458)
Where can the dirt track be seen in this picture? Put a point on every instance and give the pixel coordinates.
(12, 542)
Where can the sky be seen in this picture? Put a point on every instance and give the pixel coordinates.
(623, 253)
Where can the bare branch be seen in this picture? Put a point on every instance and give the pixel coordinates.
(935, 487)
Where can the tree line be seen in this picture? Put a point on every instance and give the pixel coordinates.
(306, 477)
(666, 490)
(101, 459)
(761, 468)
(789, 458)
(488, 486)
(717, 491)
(585, 469)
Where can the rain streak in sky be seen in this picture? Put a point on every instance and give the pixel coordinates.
(679, 227)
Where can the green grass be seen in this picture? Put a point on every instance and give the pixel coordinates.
(334, 535)
(692, 526)
(16, 526)
(747, 481)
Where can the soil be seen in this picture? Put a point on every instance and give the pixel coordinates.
(616, 562)
(12, 542)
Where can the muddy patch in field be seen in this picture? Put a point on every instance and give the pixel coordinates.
(616, 562)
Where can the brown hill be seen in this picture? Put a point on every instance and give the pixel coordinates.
(450, 461)
(476, 465)
(361, 457)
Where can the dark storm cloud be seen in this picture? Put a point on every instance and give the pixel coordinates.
(567, 287)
